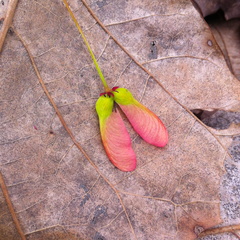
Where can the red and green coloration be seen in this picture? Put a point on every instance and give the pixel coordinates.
(144, 121)
(115, 138)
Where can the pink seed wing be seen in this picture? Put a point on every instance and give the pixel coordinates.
(117, 142)
(146, 124)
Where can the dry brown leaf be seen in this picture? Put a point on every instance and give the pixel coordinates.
(226, 34)
(57, 191)
(229, 7)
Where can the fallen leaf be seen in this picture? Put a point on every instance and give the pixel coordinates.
(166, 56)
(226, 34)
(229, 7)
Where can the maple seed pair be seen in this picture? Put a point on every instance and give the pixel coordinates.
(115, 137)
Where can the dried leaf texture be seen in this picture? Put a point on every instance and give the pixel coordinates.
(55, 190)
(7, 228)
(229, 7)
(226, 34)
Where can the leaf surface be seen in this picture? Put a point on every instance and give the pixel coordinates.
(165, 55)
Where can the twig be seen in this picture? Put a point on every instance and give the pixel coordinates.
(236, 235)
(7, 21)
(10, 207)
(229, 229)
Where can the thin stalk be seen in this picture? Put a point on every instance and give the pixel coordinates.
(107, 89)
(7, 21)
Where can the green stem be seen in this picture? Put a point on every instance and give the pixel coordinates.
(88, 47)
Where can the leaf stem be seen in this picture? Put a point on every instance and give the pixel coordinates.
(7, 21)
(106, 87)
(10, 207)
